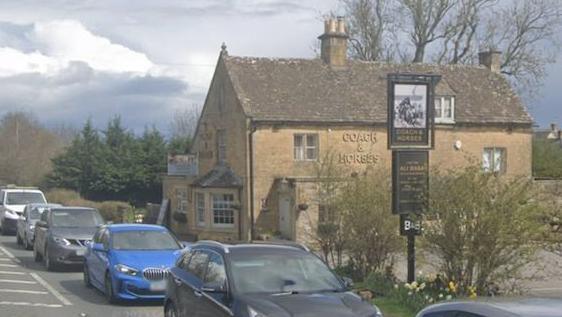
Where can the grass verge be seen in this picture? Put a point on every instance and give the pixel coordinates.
(392, 308)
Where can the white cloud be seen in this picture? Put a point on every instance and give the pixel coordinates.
(58, 43)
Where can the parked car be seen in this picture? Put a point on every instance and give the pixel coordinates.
(62, 233)
(131, 261)
(25, 232)
(532, 307)
(258, 280)
(12, 202)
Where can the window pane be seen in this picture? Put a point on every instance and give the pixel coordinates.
(200, 208)
(487, 160)
(298, 140)
(498, 160)
(447, 113)
(311, 140)
(438, 107)
(222, 209)
(311, 153)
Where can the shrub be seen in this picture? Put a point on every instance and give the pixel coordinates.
(115, 211)
(370, 229)
(482, 227)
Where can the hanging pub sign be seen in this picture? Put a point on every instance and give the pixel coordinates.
(410, 181)
(410, 111)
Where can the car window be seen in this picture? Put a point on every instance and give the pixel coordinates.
(216, 273)
(198, 264)
(97, 236)
(22, 198)
(184, 260)
(45, 216)
(104, 239)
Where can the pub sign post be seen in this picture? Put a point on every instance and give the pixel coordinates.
(410, 137)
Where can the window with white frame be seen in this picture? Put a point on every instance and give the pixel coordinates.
(305, 147)
(181, 200)
(223, 214)
(221, 145)
(445, 109)
(200, 208)
(494, 160)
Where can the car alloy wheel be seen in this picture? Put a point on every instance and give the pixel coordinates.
(170, 310)
(87, 281)
(109, 293)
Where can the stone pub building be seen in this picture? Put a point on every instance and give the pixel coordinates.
(267, 123)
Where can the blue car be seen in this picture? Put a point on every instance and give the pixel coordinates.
(130, 261)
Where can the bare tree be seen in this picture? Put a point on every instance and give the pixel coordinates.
(527, 33)
(426, 20)
(184, 121)
(461, 30)
(369, 23)
(26, 149)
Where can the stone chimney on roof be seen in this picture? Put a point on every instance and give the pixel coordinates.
(333, 48)
(491, 59)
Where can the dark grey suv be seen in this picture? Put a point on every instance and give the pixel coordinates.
(62, 234)
(258, 280)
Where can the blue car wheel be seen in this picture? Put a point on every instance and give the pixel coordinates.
(109, 291)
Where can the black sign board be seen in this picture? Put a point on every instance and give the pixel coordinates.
(410, 181)
(410, 224)
(410, 111)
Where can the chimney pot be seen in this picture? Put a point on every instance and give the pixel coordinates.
(332, 24)
(333, 50)
(491, 59)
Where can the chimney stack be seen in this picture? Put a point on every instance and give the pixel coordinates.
(333, 48)
(491, 59)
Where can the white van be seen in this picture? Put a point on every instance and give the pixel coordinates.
(12, 202)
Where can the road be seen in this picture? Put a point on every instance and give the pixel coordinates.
(27, 289)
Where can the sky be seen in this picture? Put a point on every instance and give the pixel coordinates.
(69, 60)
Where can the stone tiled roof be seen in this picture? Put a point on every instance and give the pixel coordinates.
(309, 90)
(221, 176)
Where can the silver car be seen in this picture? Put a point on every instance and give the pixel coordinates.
(25, 231)
(530, 307)
(62, 233)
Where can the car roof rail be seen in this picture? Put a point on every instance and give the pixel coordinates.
(214, 243)
(283, 243)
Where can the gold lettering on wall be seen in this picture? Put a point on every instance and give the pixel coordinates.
(363, 140)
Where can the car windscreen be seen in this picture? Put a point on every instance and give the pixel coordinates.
(272, 272)
(24, 198)
(76, 218)
(36, 212)
(144, 240)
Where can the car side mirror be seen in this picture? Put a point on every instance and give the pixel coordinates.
(42, 224)
(214, 287)
(347, 282)
(98, 247)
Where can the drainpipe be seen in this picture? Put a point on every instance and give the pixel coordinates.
(251, 150)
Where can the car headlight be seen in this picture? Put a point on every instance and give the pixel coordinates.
(122, 268)
(31, 227)
(254, 313)
(61, 241)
